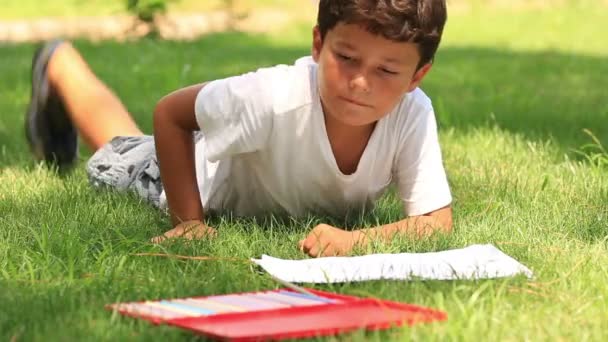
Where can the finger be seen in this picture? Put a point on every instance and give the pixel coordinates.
(171, 234)
(317, 232)
(305, 244)
(313, 251)
(201, 232)
(310, 243)
(197, 234)
(210, 233)
(318, 248)
(334, 251)
(190, 229)
(158, 239)
(326, 248)
(175, 232)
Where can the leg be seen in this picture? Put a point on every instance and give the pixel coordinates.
(95, 111)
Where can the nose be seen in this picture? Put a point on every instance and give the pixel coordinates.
(360, 82)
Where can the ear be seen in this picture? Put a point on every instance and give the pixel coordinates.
(418, 76)
(317, 44)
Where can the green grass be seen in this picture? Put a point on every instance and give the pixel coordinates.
(512, 102)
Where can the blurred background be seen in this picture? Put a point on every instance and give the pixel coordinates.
(534, 68)
(32, 20)
(512, 20)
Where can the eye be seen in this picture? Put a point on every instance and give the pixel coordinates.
(389, 72)
(344, 57)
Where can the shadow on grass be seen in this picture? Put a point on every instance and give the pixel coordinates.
(544, 95)
(541, 95)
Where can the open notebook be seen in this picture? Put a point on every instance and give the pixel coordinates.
(473, 262)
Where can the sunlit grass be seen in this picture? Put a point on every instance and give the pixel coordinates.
(512, 113)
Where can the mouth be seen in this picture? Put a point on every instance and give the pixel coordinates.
(355, 102)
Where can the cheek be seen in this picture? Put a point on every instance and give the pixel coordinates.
(325, 88)
(328, 79)
(332, 74)
(391, 94)
(328, 85)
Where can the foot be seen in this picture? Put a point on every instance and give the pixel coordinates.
(48, 129)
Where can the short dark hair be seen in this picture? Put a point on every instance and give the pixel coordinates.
(417, 21)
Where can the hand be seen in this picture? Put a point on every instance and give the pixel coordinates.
(325, 240)
(187, 230)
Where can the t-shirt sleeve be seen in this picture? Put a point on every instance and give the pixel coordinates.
(419, 171)
(235, 114)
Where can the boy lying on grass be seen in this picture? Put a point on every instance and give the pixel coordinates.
(326, 135)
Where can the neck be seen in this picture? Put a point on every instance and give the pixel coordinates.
(340, 130)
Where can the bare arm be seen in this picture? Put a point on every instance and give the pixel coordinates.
(418, 226)
(174, 125)
(325, 240)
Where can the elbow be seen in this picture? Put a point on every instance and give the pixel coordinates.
(446, 219)
(446, 226)
(442, 220)
(446, 223)
(160, 114)
(176, 111)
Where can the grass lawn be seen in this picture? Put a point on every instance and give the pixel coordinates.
(513, 91)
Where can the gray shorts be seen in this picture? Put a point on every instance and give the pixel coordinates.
(128, 164)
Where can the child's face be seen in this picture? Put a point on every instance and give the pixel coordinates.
(363, 76)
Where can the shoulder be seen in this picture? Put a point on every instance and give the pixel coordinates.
(291, 86)
(416, 102)
(413, 111)
(278, 88)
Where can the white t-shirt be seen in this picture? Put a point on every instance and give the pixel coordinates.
(265, 150)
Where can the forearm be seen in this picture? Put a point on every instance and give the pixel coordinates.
(418, 226)
(175, 153)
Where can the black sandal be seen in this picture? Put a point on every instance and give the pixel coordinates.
(48, 129)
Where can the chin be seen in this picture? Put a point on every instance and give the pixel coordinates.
(352, 115)
(353, 120)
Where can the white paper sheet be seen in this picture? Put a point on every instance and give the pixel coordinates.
(473, 262)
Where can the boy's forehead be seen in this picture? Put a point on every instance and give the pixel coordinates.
(357, 37)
